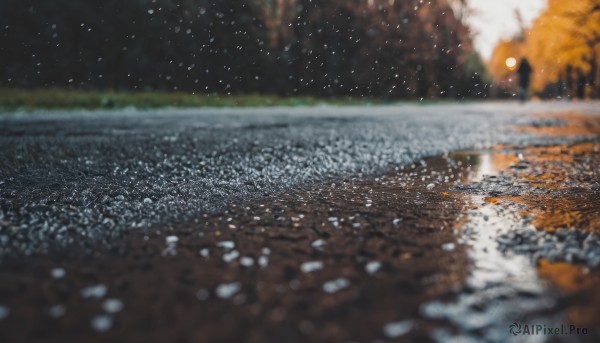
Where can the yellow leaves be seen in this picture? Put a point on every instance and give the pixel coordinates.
(566, 33)
(559, 37)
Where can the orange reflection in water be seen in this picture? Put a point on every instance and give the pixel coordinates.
(485, 163)
(575, 279)
(565, 196)
(563, 180)
(565, 176)
(562, 193)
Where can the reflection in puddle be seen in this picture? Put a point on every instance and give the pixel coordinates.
(485, 167)
(502, 287)
(534, 208)
(575, 279)
(484, 163)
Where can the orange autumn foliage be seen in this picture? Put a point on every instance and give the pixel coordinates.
(566, 34)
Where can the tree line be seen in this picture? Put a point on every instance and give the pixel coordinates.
(371, 48)
(563, 46)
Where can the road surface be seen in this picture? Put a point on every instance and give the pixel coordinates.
(67, 175)
(332, 224)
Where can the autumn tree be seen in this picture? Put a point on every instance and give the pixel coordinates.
(563, 46)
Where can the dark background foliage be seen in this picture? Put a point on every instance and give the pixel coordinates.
(388, 49)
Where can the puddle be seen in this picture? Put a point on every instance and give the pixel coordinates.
(575, 279)
(530, 210)
(488, 162)
(502, 287)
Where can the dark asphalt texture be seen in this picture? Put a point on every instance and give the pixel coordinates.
(351, 261)
(70, 176)
(274, 224)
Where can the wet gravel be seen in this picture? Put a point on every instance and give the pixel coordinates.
(66, 177)
(571, 245)
(378, 251)
(346, 261)
(556, 185)
(535, 214)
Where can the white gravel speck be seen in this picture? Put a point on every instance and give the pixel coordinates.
(230, 256)
(318, 244)
(172, 239)
(397, 329)
(263, 261)
(227, 290)
(247, 261)
(102, 323)
(373, 267)
(147, 201)
(96, 291)
(226, 244)
(204, 252)
(311, 266)
(334, 221)
(336, 285)
(4, 312)
(448, 246)
(430, 186)
(112, 305)
(58, 273)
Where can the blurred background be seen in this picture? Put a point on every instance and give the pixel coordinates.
(344, 49)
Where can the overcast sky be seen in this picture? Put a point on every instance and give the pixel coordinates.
(493, 20)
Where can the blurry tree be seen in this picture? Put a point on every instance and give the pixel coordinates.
(566, 34)
(159, 44)
(388, 48)
(383, 48)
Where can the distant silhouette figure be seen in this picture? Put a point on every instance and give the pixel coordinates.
(524, 74)
(580, 84)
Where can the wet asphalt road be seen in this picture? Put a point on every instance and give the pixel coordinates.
(70, 176)
(288, 224)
